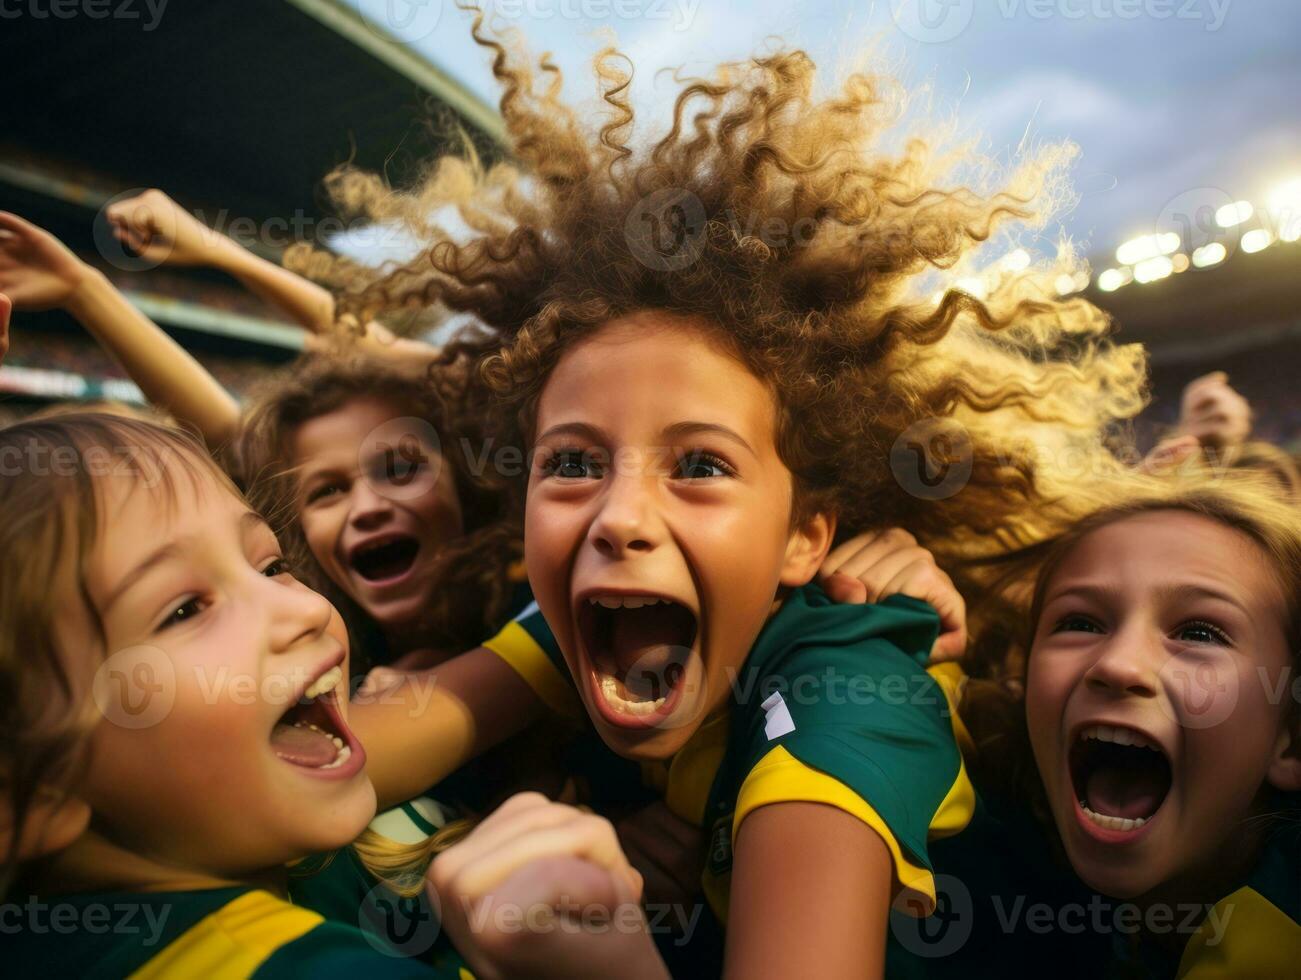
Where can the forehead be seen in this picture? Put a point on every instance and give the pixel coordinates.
(340, 432)
(651, 371)
(135, 518)
(1167, 547)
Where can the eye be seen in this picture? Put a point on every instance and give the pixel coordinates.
(1200, 631)
(701, 465)
(182, 613)
(1077, 623)
(572, 464)
(323, 490)
(278, 567)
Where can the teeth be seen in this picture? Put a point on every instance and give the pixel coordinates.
(1113, 823)
(626, 601)
(345, 753)
(1120, 736)
(610, 691)
(325, 683)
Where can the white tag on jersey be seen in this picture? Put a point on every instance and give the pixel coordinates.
(779, 721)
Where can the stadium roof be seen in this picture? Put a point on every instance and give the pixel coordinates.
(242, 104)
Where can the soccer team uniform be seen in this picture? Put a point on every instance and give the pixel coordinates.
(833, 705)
(216, 933)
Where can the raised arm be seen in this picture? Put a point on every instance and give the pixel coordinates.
(161, 231)
(38, 272)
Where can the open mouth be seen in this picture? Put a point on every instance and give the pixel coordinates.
(638, 646)
(1120, 777)
(312, 733)
(385, 560)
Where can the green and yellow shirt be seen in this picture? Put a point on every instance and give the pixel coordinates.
(833, 705)
(213, 933)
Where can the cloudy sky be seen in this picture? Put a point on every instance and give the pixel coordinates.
(1175, 103)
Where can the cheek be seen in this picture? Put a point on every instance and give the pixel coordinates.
(1047, 685)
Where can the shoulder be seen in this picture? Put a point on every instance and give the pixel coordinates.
(1256, 930)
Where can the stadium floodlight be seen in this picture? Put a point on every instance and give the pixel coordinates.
(1257, 240)
(1234, 214)
(1150, 270)
(1146, 247)
(1209, 255)
(1112, 279)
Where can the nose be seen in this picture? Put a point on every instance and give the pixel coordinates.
(628, 522)
(295, 613)
(370, 508)
(1129, 664)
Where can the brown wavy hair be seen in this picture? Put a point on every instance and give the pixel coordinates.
(473, 585)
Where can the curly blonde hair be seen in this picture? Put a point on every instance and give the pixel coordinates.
(786, 222)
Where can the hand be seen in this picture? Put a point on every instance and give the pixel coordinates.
(160, 231)
(540, 889)
(1214, 413)
(1170, 453)
(667, 851)
(6, 305)
(37, 271)
(872, 566)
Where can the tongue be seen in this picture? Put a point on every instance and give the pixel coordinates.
(303, 746)
(647, 644)
(1116, 792)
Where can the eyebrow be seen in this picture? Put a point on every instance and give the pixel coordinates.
(574, 429)
(247, 521)
(675, 431)
(680, 429)
(1165, 593)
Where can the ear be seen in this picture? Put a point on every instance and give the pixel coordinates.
(51, 824)
(1285, 767)
(807, 548)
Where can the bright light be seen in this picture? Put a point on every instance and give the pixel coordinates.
(1285, 209)
(1153, 269)
(1257, 240)
(973, 286)
(1016, 261)
(1065, 284)
(1209, 255)
(1234, 214)
(1180, 262)
(1113, 279)
(1147, 247)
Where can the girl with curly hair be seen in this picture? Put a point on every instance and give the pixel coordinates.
(714, 350)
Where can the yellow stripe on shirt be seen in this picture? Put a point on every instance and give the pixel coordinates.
(779, 777)
(523, 655)
(233, 941)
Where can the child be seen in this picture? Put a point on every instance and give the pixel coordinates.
(709, 356)
(175, 732)
(1158, 708)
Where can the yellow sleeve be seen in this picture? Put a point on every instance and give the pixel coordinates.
(524, 656)
(781, 778)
